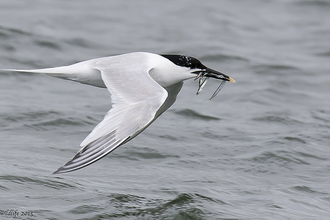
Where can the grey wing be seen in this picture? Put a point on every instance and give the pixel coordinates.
(136, 98)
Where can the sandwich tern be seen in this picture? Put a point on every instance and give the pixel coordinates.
(142, 86)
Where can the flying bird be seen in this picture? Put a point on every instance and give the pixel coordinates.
(142, 86)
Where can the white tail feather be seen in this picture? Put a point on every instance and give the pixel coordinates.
(79, 72)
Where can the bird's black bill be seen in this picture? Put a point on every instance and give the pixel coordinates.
(217, 75)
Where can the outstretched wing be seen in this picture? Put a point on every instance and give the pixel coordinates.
(136, 98)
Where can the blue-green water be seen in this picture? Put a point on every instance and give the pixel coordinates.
(259, 150)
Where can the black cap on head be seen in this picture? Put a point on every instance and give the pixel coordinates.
(185, 61)
(193, 63)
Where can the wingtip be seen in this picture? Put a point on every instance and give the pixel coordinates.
(65, 169)
(59, 171)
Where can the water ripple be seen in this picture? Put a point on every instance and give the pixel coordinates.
(8, 32)
(280, 157)
(195, 115)
(46, 182)
(30, 116)
(48, 44)
(224, 58)
(144, 153)
(278, 69)
(183, 206)
(58, 122)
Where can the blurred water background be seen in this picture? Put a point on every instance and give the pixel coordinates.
(259, 150)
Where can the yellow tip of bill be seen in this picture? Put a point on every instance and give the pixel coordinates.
(231, 80)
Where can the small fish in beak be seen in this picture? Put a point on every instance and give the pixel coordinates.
(202, 83)
(222, 84)
(203, 77)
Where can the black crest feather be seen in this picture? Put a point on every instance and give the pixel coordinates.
(185, 61)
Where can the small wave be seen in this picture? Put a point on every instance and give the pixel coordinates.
(224, 57)
(193, 114)
(278, 68)
(308, 190)
(280, 117)
(309, 3)
(47, 183)
(80, 42)
(18, 119)
(280, 157)
(58, 122)
(48, 44)
(295, 139)
(42, 120)
(182, 206)
(321, 115)
(325, 54)
(30, 116)
(144, 153)
(6, 32)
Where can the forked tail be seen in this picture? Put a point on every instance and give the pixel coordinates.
(79, 72)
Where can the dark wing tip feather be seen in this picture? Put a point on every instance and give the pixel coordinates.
(93, 152)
